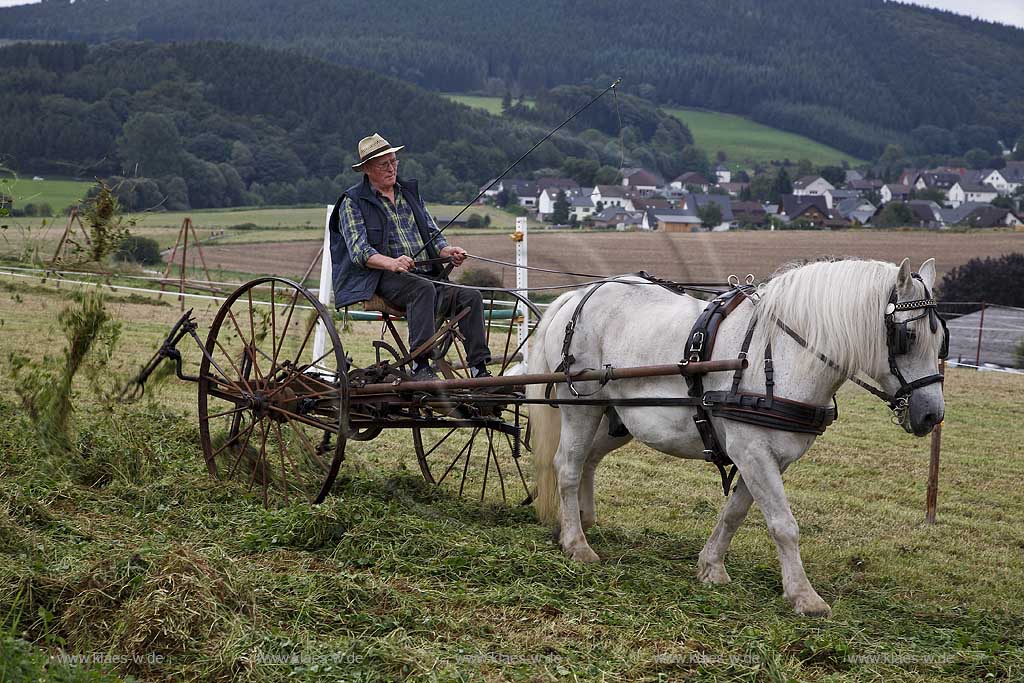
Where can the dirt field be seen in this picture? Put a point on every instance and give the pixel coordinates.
(683, 257)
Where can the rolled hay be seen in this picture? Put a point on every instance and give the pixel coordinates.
(173, 607)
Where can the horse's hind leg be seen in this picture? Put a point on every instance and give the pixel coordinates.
(603, 444)
(711, 563)
(578, 427)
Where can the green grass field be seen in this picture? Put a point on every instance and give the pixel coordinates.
(745, 141)
(492, 105)
(127, 548)
(59, 194)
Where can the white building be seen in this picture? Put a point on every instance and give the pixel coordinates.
(812, 186)
(966, 192)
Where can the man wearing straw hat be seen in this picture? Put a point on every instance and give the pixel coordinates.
(379, 224)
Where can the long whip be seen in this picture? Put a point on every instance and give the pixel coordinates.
(515, 163)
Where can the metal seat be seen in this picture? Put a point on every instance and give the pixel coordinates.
(381, 305)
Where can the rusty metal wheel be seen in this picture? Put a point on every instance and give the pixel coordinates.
(476, 445)
(272, 416)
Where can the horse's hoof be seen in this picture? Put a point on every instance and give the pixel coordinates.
(812, 606)
(712, 573)
(583, 554)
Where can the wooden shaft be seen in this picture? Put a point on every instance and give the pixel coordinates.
(555, 377)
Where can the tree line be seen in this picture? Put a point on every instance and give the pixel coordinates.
(224, 124)
(856, 74)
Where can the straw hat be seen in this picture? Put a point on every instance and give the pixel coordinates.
(372, 147)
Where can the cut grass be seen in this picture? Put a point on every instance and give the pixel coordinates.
(746, 142)
(389, 579)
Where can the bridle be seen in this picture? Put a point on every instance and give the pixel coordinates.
(898, 340)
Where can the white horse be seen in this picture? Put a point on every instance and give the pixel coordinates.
(839, 308)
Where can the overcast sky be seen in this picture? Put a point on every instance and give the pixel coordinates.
(1003, 11)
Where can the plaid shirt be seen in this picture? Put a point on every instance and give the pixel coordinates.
(403, 235)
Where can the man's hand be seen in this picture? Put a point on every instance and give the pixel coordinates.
(457, 254)
(402, 264)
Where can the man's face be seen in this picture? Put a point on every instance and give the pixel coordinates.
(383, 171)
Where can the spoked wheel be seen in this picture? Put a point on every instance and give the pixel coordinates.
(271, 415)
(477, 448)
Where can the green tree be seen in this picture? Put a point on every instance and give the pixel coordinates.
(150, 145)
(894, 215)
(782, 185)
(1018, 149)
(804, 167)
(833, 174)
(560, 215)
(710, 214)
(977, 158)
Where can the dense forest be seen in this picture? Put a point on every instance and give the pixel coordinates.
(223, 124)
(856, 74)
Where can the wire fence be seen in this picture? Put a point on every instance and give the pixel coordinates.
(987, 336)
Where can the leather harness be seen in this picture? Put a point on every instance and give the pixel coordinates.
(764, 410)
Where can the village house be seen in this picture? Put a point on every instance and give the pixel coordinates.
(812, 209)
(547, 197)
(611, 195)
(963, 191)
(671, 220)
(749, 213)
(894, 192)
(872, 185)
(834, 196)
(580, 208)
(695, 202)
(691, 179)
(855, 209)
(723, 174)
(811, 186)
(1006, 180)
(733, 189)
(641, 182)
(936, 180)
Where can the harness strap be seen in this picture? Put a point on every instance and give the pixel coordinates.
(567, 358)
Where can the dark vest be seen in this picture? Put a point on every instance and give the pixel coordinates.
(352, 282)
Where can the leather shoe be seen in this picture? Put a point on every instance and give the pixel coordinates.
(424, 373)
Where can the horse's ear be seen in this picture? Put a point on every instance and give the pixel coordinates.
(927, 273)
(903, 279)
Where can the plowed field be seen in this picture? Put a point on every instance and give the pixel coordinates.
(683, 257)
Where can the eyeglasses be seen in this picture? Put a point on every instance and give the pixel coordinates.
(382, 165)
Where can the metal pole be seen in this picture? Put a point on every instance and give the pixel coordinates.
(522, 275)
(932, 495)
(981, 328)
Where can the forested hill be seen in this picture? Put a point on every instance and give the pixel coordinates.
(853, 73)
(220, 124)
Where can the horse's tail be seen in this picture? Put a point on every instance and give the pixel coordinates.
(545, 423)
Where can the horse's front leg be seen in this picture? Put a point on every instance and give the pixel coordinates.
(764, 479)
(711, 563)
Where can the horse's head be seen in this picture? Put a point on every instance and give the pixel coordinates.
(916, 338)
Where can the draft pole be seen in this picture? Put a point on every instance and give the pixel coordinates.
(932, 495)
(522, 282)
(185, 224)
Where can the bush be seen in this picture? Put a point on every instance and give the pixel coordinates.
(992, 280)
(480, 277)
(41, 210)
(144, 250)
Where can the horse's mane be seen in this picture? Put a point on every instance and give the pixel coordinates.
(835, 305)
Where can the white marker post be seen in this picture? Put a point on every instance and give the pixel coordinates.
(522, 282)
(326, 289)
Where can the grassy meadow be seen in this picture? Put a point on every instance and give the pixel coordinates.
(746, 142)
(59, 194)
(491, 105)
(125, 549)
